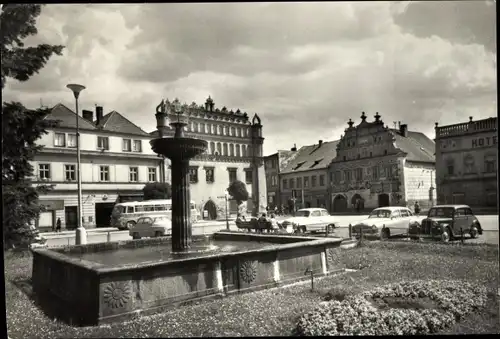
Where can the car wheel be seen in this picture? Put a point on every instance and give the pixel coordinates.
(158, 234)
(130, 224)
(445, 236)
(136, 236)
(473, 232)
(385, 234)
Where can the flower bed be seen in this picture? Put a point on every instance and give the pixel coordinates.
(407, 308)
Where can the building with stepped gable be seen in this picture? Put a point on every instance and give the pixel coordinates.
(381, 166)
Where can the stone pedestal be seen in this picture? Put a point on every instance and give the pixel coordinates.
(181, 209)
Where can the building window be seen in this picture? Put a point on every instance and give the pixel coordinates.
(127, 145)
(345, 158)
(285, 184)
(231, 150)
(193, 175)
(209, 174)
(60, 140)
(71, 140)
(137, 146)
(233, 132)
(219, 148)
(359, 174)
(104, 173)
(489, 165)
(306, 182)
(274, 180)
(103, 143)
(238, 153)
(202, 127)
(338, 176)
(70, 172)
(385, 152)
(232, 174)
(152, 174)
(299, 182)
(239, 131)
(133, 174)
(248, 176)
(219, 129)
(451, 169)
(212, 147)
(224, 149)
(469, 164)
(375, 173)
(321, 180)
(313, 181)
(44, 171)
(292, 183)
(388, 171)
(347, 175)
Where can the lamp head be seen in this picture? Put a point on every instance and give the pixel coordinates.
(76, 89)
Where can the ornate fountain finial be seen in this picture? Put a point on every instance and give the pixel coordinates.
(350, 123)
(162, 107)
(377, 117)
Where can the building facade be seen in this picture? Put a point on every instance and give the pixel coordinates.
(116, 163)
(234, 152)
(467, 163)
(380, 166)
(304, 179)
(273, 165)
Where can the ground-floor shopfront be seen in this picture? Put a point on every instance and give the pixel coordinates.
(370, 195)
(475, 192)
(96, 208)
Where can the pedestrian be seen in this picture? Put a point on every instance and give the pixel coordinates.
(416, 208)
(274, 224)
(358, 205)
(58, 225)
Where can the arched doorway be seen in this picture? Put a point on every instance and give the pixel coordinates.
(339, 203)
(383, 200)
(211, 210)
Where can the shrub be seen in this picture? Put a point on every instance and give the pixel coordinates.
(238, 190)
(358, 315)
(157, 190)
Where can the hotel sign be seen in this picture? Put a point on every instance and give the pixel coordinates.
(486, 141)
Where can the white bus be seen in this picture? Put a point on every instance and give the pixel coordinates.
(125, 214)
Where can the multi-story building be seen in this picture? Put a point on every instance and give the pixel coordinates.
(116, 163)
(381, 166)
(234, 153)
(304, 179)
(273, 165)
(467, 163)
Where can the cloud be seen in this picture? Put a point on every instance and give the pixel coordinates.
(305, 68)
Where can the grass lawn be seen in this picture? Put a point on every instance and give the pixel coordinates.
(274, 312)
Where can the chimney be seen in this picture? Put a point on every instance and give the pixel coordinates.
(88, 115)
(403, 129)
(320, 143)
(98, 114)
(294, 148)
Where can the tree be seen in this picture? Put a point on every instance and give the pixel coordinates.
(238, 190)
(157, 190)
(21, 127)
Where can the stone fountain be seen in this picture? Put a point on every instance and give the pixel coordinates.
(179, 150)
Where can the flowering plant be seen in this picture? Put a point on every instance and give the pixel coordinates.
(358, 315)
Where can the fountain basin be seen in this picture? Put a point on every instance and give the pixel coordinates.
(185, 148)
(81, 285)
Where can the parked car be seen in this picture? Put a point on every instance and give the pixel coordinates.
(384, 222)
(309, 220)
(446, 221)
(151, 227)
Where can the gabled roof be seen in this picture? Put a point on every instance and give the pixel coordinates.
(418, 146)
(68, 118)
(312, 157)
(115, 122)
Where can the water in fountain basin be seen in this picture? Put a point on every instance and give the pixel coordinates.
(163, 252)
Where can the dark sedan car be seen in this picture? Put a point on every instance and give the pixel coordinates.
(446, 222)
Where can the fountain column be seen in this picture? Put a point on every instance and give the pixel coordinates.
(179, 149)
(181, 209)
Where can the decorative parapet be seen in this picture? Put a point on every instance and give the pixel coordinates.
(467, 127)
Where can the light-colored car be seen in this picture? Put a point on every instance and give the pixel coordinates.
(151, 227)
(309, 220)
(384, 222)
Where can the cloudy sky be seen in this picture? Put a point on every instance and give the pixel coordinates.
(305, 68)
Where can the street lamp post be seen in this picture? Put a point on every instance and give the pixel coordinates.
(227, 219)
(81, 234)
